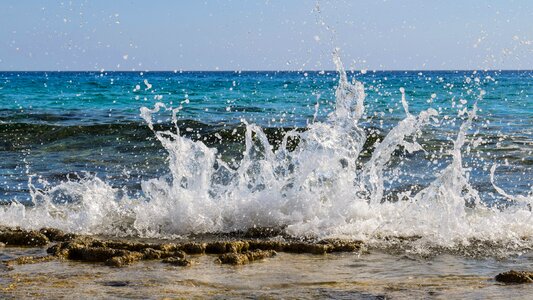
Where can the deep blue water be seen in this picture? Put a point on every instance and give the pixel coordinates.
(56, 125)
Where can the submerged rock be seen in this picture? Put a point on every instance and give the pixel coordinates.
(245, 257)
(20, 237)
(116, 283)
(24, 260)
(177, 261)
(515, 277)
(128, 258)
(2, 245)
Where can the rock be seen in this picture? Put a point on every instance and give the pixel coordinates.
(150, 253)
(135, 246)
(62, 249)
(341, 245)
(167, 247)
(298, 247)
(515, 277)
(2, 245)
(116, 283)
(227, 247)
(115, 252)
(193, 248)
(94, 254)
(267, 245)
(178, 261)
(128, 258)
(56, 250)
(56, 235)
(245, 257)
(23, 260)
(20, 237)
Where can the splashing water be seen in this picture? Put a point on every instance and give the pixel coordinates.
(324, 187)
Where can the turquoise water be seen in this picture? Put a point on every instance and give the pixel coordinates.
(56, 125)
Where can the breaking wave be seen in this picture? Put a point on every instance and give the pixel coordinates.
(322, 187)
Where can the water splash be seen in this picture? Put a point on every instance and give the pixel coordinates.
(324, 187)
(527, 200)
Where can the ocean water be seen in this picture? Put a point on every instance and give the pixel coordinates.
(333, 276)
(446, 156)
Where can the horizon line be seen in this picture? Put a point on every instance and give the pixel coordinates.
(249, 71)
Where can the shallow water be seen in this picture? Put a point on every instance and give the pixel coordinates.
(373, 275)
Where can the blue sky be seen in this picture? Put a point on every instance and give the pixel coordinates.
(265, 35)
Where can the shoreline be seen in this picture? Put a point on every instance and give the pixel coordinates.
(119, 252)
(46, 262)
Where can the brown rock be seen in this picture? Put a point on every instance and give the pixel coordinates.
(128, 258)
(56, 250)
(341, 245)
(298, 247)
(245, 257)
(166, 247)
(56, 235)
(178, 261)
(94, 254)
(122, 245)
(515, 277)
(193, 248)
(267, 245)
(23, 260)
(20, 237)
(150, 253)
(227, 247)
(62, 249)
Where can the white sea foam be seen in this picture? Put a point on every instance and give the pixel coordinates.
(323, 188)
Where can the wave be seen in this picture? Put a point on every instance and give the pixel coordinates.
(323, 186)
(211, 134)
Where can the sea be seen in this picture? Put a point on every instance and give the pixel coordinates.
(440, 158)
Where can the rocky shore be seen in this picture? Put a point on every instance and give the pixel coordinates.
(254, 245)
(233, 249)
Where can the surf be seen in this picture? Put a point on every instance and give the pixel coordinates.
(323, 186)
